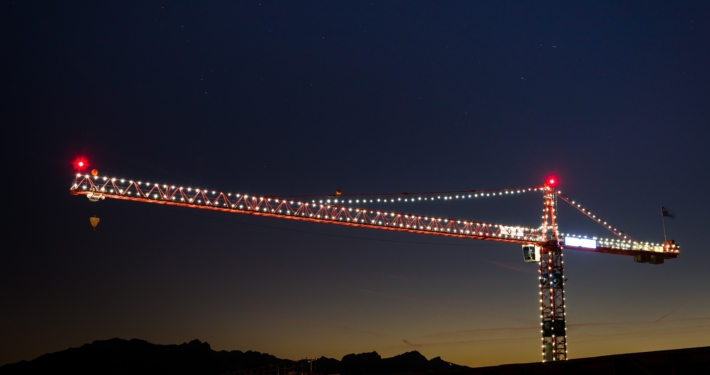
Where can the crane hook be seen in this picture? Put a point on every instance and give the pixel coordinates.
(94, 222)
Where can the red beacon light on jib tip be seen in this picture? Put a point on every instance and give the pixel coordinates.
(80, 164)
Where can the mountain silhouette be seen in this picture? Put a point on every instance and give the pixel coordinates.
(119, 356)
(372, 363)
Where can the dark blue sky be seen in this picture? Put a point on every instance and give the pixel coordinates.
(289, 98)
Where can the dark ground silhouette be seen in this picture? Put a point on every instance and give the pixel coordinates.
(118, 356)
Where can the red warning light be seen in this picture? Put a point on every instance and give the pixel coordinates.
(80, 163)
(551, 181)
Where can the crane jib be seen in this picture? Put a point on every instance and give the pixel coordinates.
(98, 188)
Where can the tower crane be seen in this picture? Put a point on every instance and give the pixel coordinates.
(543, 244)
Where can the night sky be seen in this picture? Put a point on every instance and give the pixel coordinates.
(300, 98)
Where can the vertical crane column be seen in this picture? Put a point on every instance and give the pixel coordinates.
(552, 295)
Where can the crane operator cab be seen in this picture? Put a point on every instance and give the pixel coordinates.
(531, 253)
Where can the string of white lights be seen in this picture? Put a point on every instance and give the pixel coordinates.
(607, 225)
(418, 198)
(616, 243)
(408, 198)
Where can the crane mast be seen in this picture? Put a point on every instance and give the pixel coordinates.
(552, 293)
(543, 245)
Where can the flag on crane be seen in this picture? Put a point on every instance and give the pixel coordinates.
(667, 212)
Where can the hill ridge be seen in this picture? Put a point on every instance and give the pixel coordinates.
(136, 356)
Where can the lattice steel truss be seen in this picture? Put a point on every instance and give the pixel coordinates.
(552, 293)
(173, 195)
(552, 303)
